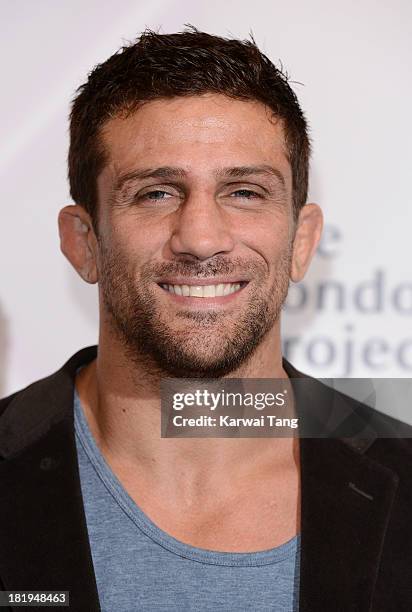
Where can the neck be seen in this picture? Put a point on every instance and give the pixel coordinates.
(122, 406)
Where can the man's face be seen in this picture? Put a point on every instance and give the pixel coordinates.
(195, 200)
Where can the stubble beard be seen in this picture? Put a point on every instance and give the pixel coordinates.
(210, 344)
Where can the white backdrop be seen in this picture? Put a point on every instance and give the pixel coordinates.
(352, 315)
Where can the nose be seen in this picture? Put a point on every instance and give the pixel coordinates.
(202, 229)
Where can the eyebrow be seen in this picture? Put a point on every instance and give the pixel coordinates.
(244, 171)
(170, 172)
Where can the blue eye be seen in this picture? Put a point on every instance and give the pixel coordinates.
(246, 193)
(155, 195)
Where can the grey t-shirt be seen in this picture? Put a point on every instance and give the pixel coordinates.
(140, 567)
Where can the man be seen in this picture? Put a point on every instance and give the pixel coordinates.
(188, 164)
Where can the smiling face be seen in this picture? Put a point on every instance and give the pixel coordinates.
(196, 232)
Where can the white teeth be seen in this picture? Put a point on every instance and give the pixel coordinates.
(203, 290)
(209, 291)
(195, 290)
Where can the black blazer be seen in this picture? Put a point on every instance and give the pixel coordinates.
(356, 521)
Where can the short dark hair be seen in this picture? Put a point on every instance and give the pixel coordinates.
(186, 63)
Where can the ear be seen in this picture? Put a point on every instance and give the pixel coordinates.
(78, 241)
(307, 236)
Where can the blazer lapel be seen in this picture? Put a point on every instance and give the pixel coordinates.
(346, 500)
(43, 534)
(346, 504)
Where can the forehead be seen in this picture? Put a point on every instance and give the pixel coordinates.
(196, 133)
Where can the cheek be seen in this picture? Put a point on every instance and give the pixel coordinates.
(270, 236)
(136, 247)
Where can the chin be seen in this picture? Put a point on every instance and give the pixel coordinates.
(190, 364)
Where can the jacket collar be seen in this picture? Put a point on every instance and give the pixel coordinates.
(327, 413)
(346, 499)
(41, 405)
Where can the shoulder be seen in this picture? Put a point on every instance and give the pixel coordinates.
(5, 401)
(338, 415)
(28, 413)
